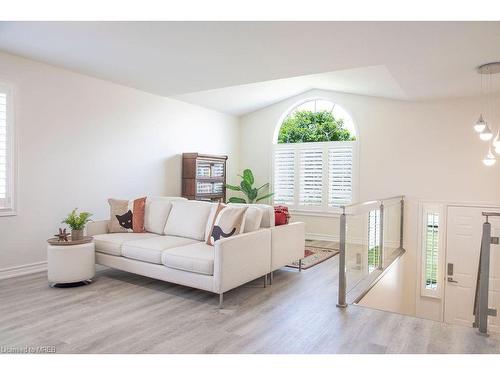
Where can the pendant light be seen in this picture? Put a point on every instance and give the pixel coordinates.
(489, 159)
(480, 124)
(486, 134)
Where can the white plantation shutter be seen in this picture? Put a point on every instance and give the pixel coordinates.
(311, 177)
(431, 250)
(432, 245)
(315, 176)
(340, 158)
(284, 176)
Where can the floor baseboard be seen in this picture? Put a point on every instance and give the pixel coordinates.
(25, 269)
(321, 237)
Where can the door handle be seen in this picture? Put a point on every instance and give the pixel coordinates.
(450, 280)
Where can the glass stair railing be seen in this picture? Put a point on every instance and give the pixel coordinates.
(371, 239)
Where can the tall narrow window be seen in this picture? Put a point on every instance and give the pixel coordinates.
(431, 250)
(373, 240)
(6, 152)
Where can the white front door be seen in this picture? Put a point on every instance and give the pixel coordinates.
(463, 241)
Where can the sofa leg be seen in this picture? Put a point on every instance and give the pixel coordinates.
(265, 280)
(271, 277)
(300, 265)
(221, 300)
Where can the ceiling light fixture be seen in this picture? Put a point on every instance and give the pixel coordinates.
(486, 134)
(489, 159)
(481, 126)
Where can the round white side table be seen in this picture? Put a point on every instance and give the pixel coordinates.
(70, 265)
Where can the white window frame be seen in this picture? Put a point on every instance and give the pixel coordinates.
(430, 208)
(8, 205)
(324, 209)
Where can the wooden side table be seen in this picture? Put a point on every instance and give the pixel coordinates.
(70, 264)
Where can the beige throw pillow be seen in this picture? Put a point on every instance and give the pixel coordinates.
(228, 221)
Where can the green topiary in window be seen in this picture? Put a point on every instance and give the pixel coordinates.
(307, 126)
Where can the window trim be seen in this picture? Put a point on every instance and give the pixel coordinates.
(430, 208)
(12, 152)
(324, 209)
(317, 211)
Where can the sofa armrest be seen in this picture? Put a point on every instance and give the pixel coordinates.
(287, 244)
(241, 259)
(97, 227)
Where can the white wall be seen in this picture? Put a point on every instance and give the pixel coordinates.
(400, 142)
(83, 140)
(426, 150)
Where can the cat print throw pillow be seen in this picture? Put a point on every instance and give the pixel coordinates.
(227, 221)
(126, 216)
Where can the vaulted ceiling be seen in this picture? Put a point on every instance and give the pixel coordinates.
(266, 61)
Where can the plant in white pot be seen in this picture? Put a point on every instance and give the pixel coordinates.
(77, 223)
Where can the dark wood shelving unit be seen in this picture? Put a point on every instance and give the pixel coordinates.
(204, 176)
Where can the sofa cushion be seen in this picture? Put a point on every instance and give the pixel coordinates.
(197, 258)
(268, 215)
(267, 219)
(253, 216)
(111, 243)
(188, 219)
(157, 211)
(253, 219)
(150, 249)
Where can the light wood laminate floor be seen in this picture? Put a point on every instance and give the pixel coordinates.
(126, 313)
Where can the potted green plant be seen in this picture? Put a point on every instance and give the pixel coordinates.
(247, 188)
(77, 223)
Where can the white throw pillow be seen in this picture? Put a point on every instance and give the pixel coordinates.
(268, 217)
(188, 219)
(253, 216)
(157, 211)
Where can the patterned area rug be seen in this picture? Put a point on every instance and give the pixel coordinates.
(315, 253)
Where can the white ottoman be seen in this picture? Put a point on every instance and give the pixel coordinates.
(69, 264)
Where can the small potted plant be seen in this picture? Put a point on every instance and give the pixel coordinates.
(77, 223)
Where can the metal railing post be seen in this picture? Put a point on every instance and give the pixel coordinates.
(484, 278)
(381, 238)
(401, 223)
(342, 278)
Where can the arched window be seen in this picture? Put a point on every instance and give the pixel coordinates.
(314, 154)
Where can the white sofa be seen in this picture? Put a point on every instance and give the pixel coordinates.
(173, 247)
